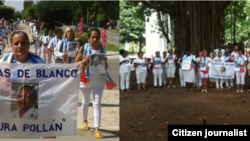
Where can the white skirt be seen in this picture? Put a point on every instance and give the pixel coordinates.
(189, 76)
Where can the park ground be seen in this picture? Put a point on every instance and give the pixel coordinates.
(145, 115)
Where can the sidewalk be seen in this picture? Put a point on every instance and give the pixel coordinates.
(110, 109)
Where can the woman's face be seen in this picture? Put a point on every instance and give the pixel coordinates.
(205, 54)
(94, 39)
(25, 99)
(214, 54)
(69, 35)
(59, 34)
(157, 54)
(240, 52)
(140, 55)
(125, 54)
(20, 47)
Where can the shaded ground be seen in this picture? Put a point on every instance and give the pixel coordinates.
(146, 114)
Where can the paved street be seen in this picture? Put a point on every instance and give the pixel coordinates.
(110, 103)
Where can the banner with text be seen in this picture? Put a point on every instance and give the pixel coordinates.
(38, 100)
(223, 70)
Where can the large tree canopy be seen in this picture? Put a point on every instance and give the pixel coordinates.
(132, 26)
(27, 3)
(197, 25)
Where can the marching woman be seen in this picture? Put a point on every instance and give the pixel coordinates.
(181, 73)
(96, 81)
(171, 59)
(219, 58)
(54, 41)
(124, 70)
(203, 64)
(20, 50)
(48, 54)
(157, 61)
(61, 47)
(189, 76)
(240, 69)
(141, 71)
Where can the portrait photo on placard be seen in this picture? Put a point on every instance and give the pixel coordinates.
(24, 101)
(72, 46)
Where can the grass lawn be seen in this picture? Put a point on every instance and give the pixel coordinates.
(112, 31)
(112, 47)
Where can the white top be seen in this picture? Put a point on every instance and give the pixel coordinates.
(125, 67)
(219, 59)
(171, 60)
(142, 67)
(96, 80)
(58, 53)
(158, 61)
(234, 54)
(37, 35)
(203, 62)
(31, 114)
(53, 42)
(28, 62)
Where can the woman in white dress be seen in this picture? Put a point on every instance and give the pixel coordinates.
(171, 59)
(181, 73)
(141, 71)
(219, 81)
(125, 70)
(203, 65)
(189, 76)
(240, 69)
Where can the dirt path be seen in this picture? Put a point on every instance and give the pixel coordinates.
(146, 114)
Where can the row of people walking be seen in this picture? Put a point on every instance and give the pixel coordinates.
(57, 46)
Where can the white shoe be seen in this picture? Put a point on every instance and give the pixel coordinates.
(238, 91)
(205, 90)
(221, 87)
(173, 86)
(241, 91)
(217, 87)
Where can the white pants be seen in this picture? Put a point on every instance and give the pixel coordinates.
(240, 77)
(96, 100)
(164, 76)
(197, 79)
(181, 74)
(9, 39)
(124, 80)
(141, 77)
(36, 46)
(171, 72)
(221, 82)
(157, 75)
(48, 58)
(43, 55)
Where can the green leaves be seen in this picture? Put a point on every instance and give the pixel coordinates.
(131, 23)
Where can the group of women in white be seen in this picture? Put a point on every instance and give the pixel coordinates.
(6, 30)
(57, 45)
(197, 75)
